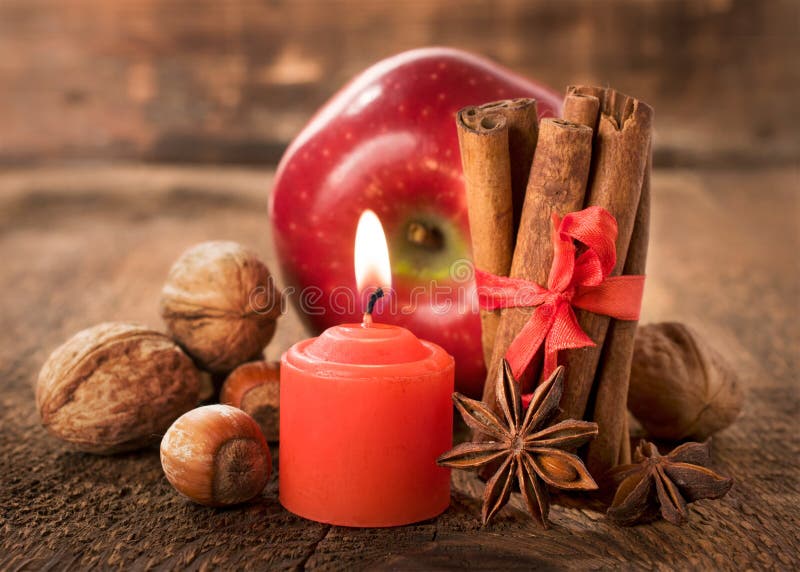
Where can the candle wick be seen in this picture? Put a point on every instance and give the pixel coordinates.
(374, 297)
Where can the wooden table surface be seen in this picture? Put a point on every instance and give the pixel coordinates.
(86, 244)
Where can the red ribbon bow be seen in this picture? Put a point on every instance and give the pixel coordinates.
(581, 282)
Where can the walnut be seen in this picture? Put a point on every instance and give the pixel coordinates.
(681, 388)
(220, 304)
(115, 387)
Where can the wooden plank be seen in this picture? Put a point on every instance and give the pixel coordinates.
(82, 245)
(233, 81)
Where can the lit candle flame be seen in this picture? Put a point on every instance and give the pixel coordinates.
(371, 254)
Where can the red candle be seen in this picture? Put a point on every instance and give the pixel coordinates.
(365, 411)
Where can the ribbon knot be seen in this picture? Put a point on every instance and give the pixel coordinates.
(566, 296)
(584, 254)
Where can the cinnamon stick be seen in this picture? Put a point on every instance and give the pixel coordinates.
(613, 372)
(625, 443)
(523, 130)
(620, 153)
(581, 108)
(483, 140)
(557, 183)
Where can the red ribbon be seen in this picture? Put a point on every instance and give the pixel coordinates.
(580, 282)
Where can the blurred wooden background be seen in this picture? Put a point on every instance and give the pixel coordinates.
(110, 87)
(234, 81)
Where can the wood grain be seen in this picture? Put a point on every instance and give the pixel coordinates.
(207, 81)
(88, 244)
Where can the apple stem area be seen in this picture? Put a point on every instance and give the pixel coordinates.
(424, 235)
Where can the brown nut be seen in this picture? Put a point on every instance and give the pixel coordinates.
(681, 388)
(115, 387)
(220, 304)
(216, 455)
(254, 388)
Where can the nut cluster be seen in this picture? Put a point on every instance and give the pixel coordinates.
(117, 387)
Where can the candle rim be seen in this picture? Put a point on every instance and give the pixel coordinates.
(433, 360)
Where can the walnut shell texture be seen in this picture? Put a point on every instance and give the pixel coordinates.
(115, 387)
(681, 388)
(220, 304)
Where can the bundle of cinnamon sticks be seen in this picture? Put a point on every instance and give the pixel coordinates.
(518, 172)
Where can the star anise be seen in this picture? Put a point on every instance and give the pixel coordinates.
(664, 484)
(526, 447)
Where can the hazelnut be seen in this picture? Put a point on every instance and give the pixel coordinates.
(681, 387)
(115, 387)
(216, 455)
(220, 304)
(254, 388)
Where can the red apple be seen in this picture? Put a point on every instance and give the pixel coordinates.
(387, 141)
